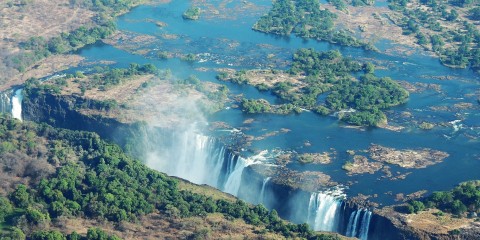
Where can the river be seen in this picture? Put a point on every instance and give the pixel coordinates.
(228, 42)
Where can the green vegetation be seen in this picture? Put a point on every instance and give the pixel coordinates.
(367, 95)
(329, 74)
(98, 181)
(305, 19)
(192, 13)
(263, 106)
(102, 79)
(39, 48)
(92, 234)
(445, 27)
(255, 106)
(463, 198)
(189, 57)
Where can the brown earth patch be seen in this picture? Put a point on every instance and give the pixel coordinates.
(360, 165)
(407, 158)
(47, 18)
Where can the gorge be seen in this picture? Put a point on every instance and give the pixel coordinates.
(441, 115)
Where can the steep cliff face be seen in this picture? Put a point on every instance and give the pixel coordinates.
(63, 112)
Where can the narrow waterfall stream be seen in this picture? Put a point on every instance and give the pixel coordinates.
(262, 191)
(17, 104)
(5, 102)
(359, 223)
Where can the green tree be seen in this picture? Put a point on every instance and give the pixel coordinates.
(458, 207)
(48, 235)
(20, 197)
(417, 206)
(5, 208)
(369, 68)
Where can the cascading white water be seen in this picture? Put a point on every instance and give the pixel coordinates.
(5, 103)
(353, 223)
(365, 225)
(323, 211)
(234, 178)
(359, 223)
(191, 156)
(262, 192)
(17, 104)
(197, 158)
(350, 223)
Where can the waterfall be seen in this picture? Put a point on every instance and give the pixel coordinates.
(365, 225)
(198, 158)
(350, 223)
(359, 224)
(5, 103)
(188, 155)
(324, 210)
(234, 175)
(17, 104)
(262, 192)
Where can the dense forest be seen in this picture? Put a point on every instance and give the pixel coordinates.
(331, 75)
(83, 176)
(305, 19)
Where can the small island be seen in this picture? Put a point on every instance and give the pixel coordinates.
(192, 13)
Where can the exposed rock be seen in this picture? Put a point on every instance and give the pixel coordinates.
(316, 158)
(419, 87)
(407, 158)
(361, 165)
(307, 181)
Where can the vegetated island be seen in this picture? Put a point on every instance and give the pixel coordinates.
(192, 13)
(306, 19)
(447, 28)
(63, 184)
(315, 74)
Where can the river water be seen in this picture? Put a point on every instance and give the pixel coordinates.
(228, 42)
